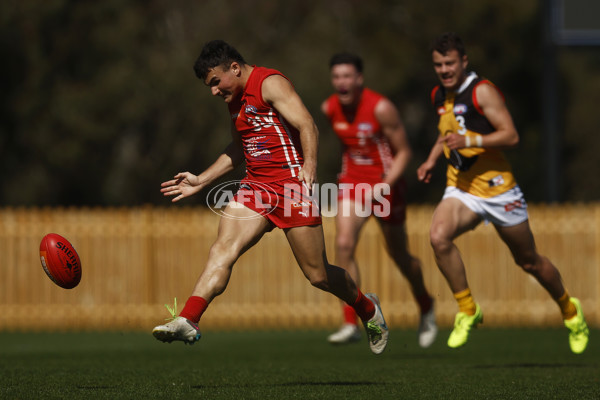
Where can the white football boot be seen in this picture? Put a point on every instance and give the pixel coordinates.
(377, 329)
(427, 329)
(348, 333)
(178, 329)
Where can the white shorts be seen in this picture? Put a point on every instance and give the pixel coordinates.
(506, 209)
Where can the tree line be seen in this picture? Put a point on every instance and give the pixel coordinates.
(100, 103)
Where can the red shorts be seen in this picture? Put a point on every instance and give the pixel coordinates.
(354, 191)
(285, 204)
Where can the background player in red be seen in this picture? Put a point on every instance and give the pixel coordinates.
(375, 151)
(274, 133)
(474, 125)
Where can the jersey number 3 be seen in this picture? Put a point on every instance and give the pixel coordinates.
(461, 122)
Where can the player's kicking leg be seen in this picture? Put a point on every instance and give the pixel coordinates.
(236, 235)
(179, 328)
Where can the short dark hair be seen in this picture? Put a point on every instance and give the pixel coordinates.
(347, 58)
(448, 41)
(215, 53)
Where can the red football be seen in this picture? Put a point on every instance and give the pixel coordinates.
(60, 261)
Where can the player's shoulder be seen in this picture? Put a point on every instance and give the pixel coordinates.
(484, 85)
(276, 86)
(372, 98)
(276, 77)
(385, 111)
(485, 91)
(384, 104)
(371, 94)
(270, 76)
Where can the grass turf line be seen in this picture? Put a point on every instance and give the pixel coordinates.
(495, 364)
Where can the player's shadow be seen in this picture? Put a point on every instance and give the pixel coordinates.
(291, 384)
(531, 365)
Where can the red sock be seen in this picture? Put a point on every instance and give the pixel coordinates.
(425, 302)
(365, 309)
(194, 308)
(349, 315)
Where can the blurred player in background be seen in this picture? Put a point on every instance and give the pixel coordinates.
(474, 126)
(375, 151)
(274, 133)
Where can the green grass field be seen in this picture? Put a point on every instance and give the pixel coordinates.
(495, 364)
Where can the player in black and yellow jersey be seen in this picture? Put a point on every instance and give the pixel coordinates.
(475, 126)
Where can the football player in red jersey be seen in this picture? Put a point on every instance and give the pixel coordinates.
(273, 132)
(375, 155)
(474, 125)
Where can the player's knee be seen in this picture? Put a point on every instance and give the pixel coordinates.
(528, 267)
(344, 245)
(319, 281)
(320, 284)
(440, 242)
(409, 265)
(529, 262)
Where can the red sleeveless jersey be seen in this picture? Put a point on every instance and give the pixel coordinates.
(367, 153)
(271, 146)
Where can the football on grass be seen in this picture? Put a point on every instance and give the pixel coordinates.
(60, 261)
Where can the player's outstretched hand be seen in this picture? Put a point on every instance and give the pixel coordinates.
(424, 172)
(185, 184)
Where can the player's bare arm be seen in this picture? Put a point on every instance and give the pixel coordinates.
(393, 128)
(279, 92)
(424, 171)
(494, 108)
(186, 184)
